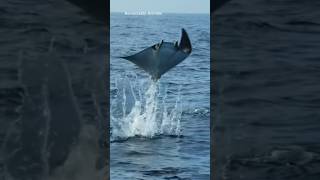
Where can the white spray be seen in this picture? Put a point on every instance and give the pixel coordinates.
(142, 114)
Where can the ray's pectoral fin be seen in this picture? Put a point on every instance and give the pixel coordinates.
(185, 44)
(161, 57)
(178, 53)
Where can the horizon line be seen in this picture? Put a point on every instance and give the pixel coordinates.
(162, 12)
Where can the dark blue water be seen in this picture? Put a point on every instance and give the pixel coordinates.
(268, 71)
(185, 91)
(52, 92)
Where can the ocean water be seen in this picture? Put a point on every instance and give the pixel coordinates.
(268, 68)
(159, 130)
(267, 117)
(52, 92)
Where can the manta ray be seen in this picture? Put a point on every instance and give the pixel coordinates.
(157, 59)
(161, 57)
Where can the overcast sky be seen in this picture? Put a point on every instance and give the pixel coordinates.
(164, 6)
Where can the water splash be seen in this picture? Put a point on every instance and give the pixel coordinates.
(140, 108)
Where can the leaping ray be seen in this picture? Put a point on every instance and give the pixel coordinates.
(160, 58)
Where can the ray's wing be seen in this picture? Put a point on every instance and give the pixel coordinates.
(168, 63)
(145, 59)
(171, 54)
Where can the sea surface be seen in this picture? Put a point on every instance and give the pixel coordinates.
(53, 105)
(267, 60)
(159, 130)
(267, 101)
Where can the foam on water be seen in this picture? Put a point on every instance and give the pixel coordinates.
(139, 108)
